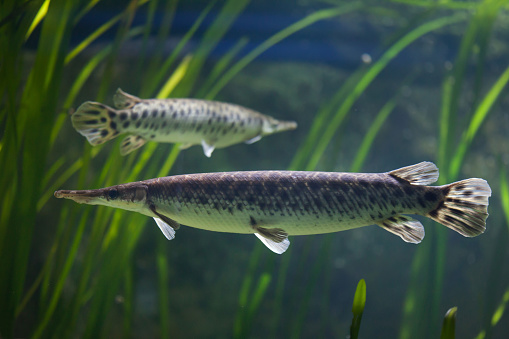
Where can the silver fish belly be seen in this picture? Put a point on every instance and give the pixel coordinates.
(276, 204)
(190, 122)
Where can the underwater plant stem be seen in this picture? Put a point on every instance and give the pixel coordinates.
(370, 75)
(449, 324)
(276, 38)
(359, 301)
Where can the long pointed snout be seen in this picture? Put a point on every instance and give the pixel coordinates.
(80, 196)
(286, 126)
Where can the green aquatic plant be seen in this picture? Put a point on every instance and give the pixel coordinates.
(429, 265)
(449, 324)
(359, 301)
(105, 252)
(88, 276)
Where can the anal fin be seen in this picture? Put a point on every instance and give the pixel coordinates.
(408, 229)
(276, 239)
(131, 143)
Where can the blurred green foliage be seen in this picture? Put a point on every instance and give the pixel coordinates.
(86, 284)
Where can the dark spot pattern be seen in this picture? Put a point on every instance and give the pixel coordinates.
(430, 196)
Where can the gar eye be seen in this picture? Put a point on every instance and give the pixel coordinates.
(113, 193)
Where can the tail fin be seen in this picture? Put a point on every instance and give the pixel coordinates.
(465, 207)
(94, 121)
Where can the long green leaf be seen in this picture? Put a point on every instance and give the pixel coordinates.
(370, 75)
(359, 301)
(449, 324)
(276, 38)
(478, 118)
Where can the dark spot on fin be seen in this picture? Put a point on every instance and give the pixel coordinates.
(408, 229)
(423, 173)
(465, 207)
(131, 143)
(93, 121)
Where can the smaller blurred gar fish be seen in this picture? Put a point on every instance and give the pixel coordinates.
(275, 204)
(188, 121)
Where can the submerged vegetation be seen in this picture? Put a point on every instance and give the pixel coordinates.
(69, 270)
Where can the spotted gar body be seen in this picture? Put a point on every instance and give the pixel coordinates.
(276, 204)
(211, 124)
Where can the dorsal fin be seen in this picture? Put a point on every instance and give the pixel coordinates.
(122, 100)
(423, 173)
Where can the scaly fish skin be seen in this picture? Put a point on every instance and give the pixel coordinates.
(276, 204)
(188, 121)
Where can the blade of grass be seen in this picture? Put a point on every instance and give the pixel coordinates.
(240, 319)
(155, 61)
(225, 18)
(321, 120)
(60, 283)
(371, 134)
(476, 122)
(449, 324)
(276, 38)
(370, 75)
(161, 71)
(38, 18)
(121, 36)
(35, 115)
(359, 301)
(221, 65)
(175, 78)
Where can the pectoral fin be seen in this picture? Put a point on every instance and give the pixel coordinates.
(130, 143)
(168, 226)
(168, 231)
(408, 229)
(275, 239)
(253, 140)
(207, 149)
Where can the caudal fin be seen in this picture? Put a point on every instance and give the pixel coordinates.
(465, 207)
(93, 121)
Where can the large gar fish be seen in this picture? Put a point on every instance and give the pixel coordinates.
(275, 204)
(190, 122)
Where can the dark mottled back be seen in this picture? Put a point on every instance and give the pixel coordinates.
(288, 193)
